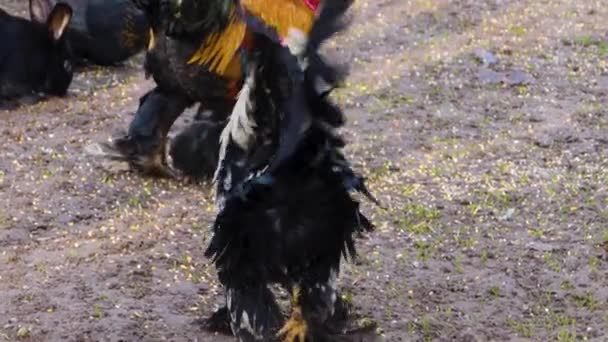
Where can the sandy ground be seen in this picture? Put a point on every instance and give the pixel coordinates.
(481, 124)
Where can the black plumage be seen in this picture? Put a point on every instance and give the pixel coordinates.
(287, 214)
(195, 150)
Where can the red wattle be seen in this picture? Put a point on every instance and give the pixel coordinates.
(312, 4)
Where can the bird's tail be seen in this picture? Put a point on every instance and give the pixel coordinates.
(194, 151)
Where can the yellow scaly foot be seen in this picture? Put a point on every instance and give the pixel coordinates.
(295, 329)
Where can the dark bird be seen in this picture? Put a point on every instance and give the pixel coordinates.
(106, 32)
(287, 214)
(180, 83)
(35, 57)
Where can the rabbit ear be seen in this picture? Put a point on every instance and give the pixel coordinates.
(58, 20)
(40, 10)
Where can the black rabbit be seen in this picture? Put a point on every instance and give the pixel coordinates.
(106, 32)
(35, 58)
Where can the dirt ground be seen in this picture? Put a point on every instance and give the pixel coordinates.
(481, 124)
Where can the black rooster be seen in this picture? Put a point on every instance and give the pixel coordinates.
(284, 186)
(180, 84)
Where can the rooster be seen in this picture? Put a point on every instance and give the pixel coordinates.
(284, 186)
(180, 84)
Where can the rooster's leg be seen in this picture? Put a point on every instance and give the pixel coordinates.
(296, 328)
(313, 306)
(144, 147)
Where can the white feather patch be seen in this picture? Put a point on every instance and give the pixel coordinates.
(241, 127)
(296, 41)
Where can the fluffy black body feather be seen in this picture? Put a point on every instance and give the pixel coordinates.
(195, 150)
(284, 187)
(198, 18)
(167, 63)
